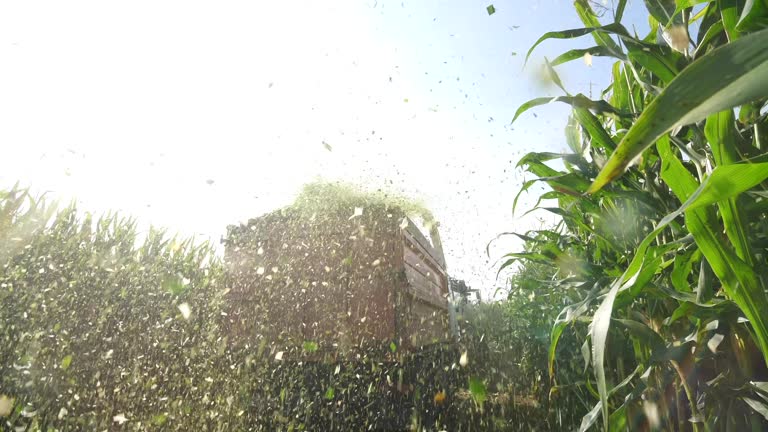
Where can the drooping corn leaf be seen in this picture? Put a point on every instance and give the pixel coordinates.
(578, 101)
(726, 77)
(727, 181)
(614, 28)
(759, 407)
(575, 54)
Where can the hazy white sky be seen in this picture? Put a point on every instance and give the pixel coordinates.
(136, 106)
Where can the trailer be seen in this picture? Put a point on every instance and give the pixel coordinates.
(341, 280)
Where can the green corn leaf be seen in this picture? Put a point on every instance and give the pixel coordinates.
(661, 61)
(620, 95)
(727, 181)
(578, 101)
(568, 315)
(619, 420)
(526, 185)
(477, 390)
(588, 17)
(599, 334)
(759, 407)
(662, 10)
(752, 300)
(600, 138)
(573, 137)
(672, 352)
(754, 16)
(590, 418)
(729, 10)
(613, 48)
(723, 137)
(586, 354)
(554, 338)
(553, 76)
(712, 32)
(704, 289)
(576, 54)
(539, 157)
(739, 279)
(620, 10)
(685, 4)
(682, 268)
(642, 332)
(726, 77)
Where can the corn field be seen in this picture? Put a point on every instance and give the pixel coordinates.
(644, 307)
(662, 235)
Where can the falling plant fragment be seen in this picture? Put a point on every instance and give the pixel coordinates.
(439, 398)
(279, 356)
(490, 9)
(464, 359)
(175, 284)
(588, 59)
(477, 390)
(651, 411)
(327, 146)
(66, 361)
(714, 342)
(119, 419)
(185, 310)
(6, 405)
(358, 212)
(677, 38)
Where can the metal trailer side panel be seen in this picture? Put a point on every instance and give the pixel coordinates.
(426, 314)
(346, 284)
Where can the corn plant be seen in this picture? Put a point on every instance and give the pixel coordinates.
(662, 204)
(103, 326)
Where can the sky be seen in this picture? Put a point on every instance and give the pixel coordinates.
(193, 115)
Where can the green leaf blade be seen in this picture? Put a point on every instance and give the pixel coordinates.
(728, 76)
